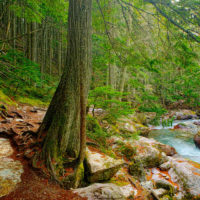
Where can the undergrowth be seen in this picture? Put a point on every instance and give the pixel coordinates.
(21, 79)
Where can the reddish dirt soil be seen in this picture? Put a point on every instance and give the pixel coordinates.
(33, 186)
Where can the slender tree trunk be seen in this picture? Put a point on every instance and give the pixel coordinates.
(28, 43)
(123, 79)
(60, 51)
(50, 51)
(33, 43)
(62, 133)
(14, 34)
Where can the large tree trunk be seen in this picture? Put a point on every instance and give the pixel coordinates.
(62, 133)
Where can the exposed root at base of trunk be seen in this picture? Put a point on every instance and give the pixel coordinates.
(48, 169)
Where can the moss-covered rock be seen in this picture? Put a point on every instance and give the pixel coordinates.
(100, 167)
(136, 169)
(128, 151)
(162, 183)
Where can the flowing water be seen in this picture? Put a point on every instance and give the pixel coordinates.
(181, 140)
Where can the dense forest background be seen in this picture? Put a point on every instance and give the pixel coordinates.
(145, 53)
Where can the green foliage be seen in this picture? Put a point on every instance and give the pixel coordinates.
(134, 136)
(37, 10)
(20, 77)
(128, 151)
(92, 124)
(30, 9)
(154, 108)
(96, 132)
(168, 122)
(106, 98)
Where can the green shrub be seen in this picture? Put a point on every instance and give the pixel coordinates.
(108, 99)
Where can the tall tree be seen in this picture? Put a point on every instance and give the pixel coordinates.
(62, 132)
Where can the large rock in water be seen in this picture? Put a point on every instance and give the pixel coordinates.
(10, 170)
(100, 167)
(197, 140)
(101, 191)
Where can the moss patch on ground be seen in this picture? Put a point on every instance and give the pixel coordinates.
(32, 102)
(6, 100)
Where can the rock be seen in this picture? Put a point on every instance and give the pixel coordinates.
(101, 191)
(180, 126)
(185, 117)
(188, 174)
(126, 127)
(116, 139)
(168, 150)
(159, 192)
(10, 170)
(149, 153)
(165, 166)
(150, 116)
(198, 113)
(143, 130)
(100, 167)
(197, 140)
(166, 197)
(128, 191)
(180, 196)
(152, 157)
(136, 169)
(5, 148)
(148, 185)
(197, 123)
(162, 183)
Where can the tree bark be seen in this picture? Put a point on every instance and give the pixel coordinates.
(33, 42)
(60, 52)
(62, 133)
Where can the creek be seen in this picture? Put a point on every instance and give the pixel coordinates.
(180, 139)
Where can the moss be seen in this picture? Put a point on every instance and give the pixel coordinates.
(128, 151)
(92, 124)
(108, 151)
(5, 99)
(6, 187)
(166, 197)
(103, 175)
(118, 182)
(32, 102)
(141, 118)
(136, 169)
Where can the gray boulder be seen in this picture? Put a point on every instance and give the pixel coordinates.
(10, 170)
(187, 173)
(101, 191)
(100, 167)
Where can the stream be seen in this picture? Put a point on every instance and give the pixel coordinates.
(180, 139)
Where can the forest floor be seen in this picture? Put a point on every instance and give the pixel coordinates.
(19, 125)
(33, 185)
